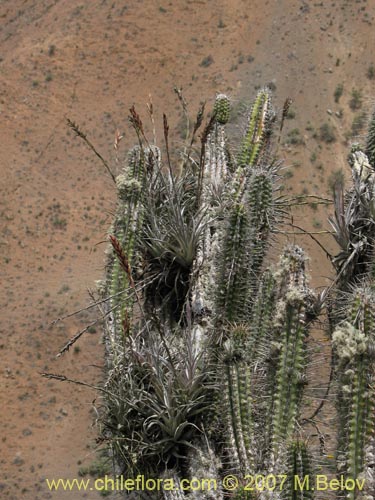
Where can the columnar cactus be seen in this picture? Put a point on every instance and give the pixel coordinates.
(256, 345)
(215, 176)
(290, 331)
(299, 468)
(238, 407)
(258, 130)
(130, 185)
(250, 220)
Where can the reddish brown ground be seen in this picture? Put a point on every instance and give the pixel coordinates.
(91, 61)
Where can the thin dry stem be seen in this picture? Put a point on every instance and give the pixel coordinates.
(83, 136)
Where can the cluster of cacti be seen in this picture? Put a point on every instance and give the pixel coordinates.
(207, 342)
(353, 344)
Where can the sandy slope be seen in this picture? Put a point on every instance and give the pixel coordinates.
(91, 61)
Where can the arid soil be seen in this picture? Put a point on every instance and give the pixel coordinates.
(90, 61)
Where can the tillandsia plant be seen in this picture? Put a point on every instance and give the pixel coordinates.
(208, 343)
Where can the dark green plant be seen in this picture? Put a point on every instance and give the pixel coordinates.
(294, 138)
(355, 102)
(371, 72)
(327, 133)
(207, 61)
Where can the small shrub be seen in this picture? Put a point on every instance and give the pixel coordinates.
(309, 127)
(289, 174)
(51, 50)
(316, 223)
(356, 100)
(294, 137)
(207, 61)
(64, 289)
(336, 177)
(272, 86)
(291, 114)
(371, 72)
(59, 222)
(358, 123)
(98, 468)
(327, 133)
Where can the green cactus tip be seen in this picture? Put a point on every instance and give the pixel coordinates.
(222, 109)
